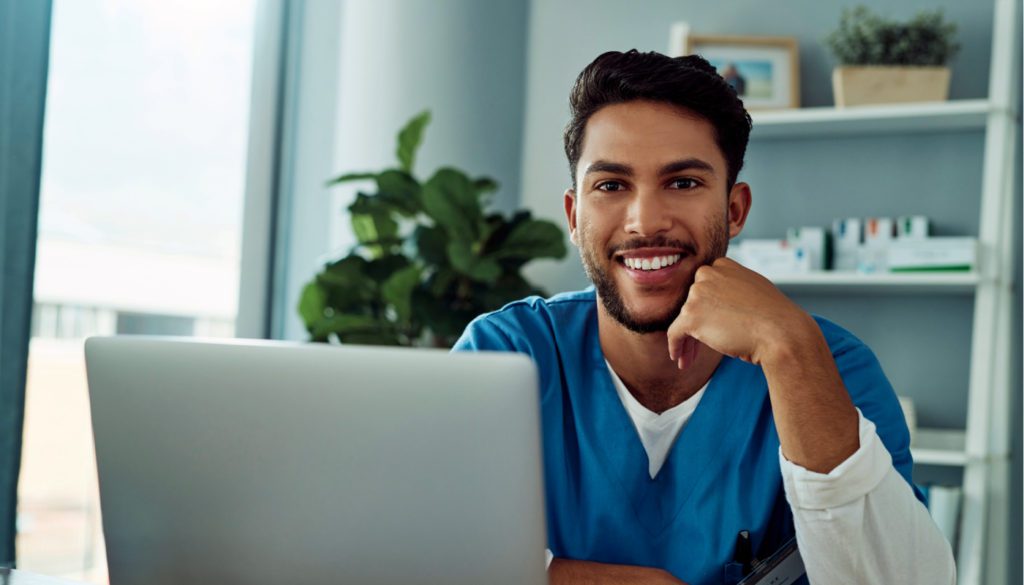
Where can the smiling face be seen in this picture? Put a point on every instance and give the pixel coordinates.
(650, 207)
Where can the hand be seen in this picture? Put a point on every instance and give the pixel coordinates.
(740, 313)
(737, 312)
(565, 571)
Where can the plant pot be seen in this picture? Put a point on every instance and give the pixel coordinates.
(878, 84)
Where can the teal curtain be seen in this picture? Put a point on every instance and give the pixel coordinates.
(24, 59)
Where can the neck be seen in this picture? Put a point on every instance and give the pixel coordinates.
(642, 361)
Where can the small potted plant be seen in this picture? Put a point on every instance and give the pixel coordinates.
(883, 61)
(428, 257)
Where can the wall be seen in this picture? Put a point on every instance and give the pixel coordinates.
(566, 35)
(923, 342)
(462, 59)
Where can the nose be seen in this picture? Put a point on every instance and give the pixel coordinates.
(647, 215)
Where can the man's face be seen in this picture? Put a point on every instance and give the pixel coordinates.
(650, 207)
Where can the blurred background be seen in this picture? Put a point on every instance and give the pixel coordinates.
(186, 148)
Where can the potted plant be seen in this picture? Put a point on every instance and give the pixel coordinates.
(428, 258)
(883, 61)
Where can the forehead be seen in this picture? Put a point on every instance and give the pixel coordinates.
(647, 135)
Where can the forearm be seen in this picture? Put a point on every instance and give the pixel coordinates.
(814, 416)
(566, 572)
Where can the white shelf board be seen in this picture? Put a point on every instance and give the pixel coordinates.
(939, 447)
(887, 119)
(883, 283)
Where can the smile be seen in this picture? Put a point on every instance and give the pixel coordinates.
(652, 263)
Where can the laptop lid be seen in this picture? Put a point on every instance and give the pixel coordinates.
(270, 462)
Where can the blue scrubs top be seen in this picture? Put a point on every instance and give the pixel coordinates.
(722, 474)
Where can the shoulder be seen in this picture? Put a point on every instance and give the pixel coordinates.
(857, 364)
(840, 340)
(527, 321)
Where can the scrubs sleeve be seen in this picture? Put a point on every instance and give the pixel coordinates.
(484, 334)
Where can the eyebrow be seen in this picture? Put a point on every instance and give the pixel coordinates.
(686, 164)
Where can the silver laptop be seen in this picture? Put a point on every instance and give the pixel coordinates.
(257, 463)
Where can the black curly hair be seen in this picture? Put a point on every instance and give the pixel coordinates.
(687, 82)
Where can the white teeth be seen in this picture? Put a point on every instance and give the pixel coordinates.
(655, 263)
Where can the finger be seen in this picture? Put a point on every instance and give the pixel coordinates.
(680, 328)
(689, 353)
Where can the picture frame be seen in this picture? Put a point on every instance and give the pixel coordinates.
(764, 70)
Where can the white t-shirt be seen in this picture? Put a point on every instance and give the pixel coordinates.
(657, 432)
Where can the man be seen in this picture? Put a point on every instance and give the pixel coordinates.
(685, 399)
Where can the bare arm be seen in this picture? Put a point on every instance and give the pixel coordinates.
(565, 572)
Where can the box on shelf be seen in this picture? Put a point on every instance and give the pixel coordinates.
(771, 257)
(846, 240)
(942, 254)
(814, 241)
(912, 227)
(879, 233)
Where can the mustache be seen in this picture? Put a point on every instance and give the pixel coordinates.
(655, 242)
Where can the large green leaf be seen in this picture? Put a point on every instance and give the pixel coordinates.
(464, 260)
(431, 243)
(400, 191)
(375, 228)
(381, 337)
(441, 281)
(444, 321)
(348, 271)
(342, 324)
(409, 139)
(449, 198)
(349, 177)
(382, 268)
(397, 291)
(346, 284)
(312, 302)
(510, 287)
(485, 187)
(534, 238)
(501, 228)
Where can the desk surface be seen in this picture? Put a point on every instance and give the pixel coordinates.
(9, 577)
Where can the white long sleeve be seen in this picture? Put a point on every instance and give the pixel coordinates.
(860, 523)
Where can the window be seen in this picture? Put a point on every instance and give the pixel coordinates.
(140, 228)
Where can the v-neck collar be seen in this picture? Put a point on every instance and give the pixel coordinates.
(734, 394)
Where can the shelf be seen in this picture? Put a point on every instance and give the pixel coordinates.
(887, 283)
(887, 119)
(939, 447)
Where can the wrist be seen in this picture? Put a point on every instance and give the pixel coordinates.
(795, 339)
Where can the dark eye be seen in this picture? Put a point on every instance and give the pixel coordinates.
(684, 183)
(611, 186)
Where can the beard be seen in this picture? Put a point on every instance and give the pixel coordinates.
(717, 238)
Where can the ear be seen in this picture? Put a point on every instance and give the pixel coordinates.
(737, 208)
(570, 213)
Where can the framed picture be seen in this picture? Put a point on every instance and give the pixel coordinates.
(765, 71)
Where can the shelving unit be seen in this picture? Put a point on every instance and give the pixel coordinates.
(982, 448)
(883, 283)
(863, 120)
(940, 447)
